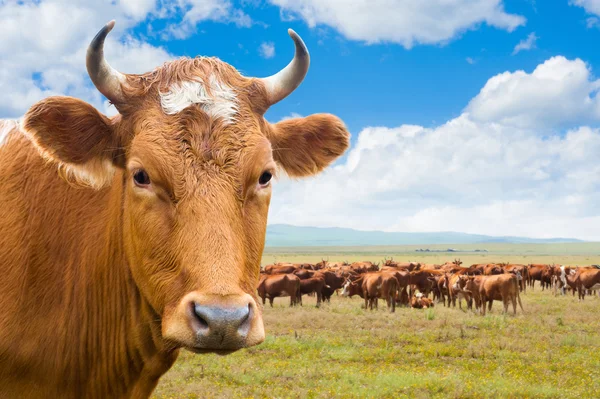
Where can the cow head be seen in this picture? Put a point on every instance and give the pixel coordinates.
(467, 284)
(351, 287)
(191, 158)
(346, 288)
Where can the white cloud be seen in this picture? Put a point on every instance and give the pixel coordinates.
(470, 60)
(267, 50)
(195, 11)
(138, 8)
(406, 22)
(462, 176)
(592, 22)
(44, 42)
(526, 44)
(48, 56)
(559, 92)
(590, 6)
(471, 175)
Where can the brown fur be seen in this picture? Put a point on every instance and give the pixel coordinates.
(492, 270)
(523, 271)
(354, 287)
(279, 285)
(380, 285)
(486, 289)
(96, 283)
(280, 269)
(456, 284)
(424, 280)
(585, 279)
(403, 279)
(315, 284)
(421, 303)
(535, 273)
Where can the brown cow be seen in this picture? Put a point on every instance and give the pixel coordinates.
(442, 289)
(280, 268)
(315, 284)
(547, 276)
(345, 271)
(450, 267)
(361, 267)
(333, 282)
(486, 289)
(410, 266)
(303, 273)
(279, 285)
(403, 278)
(424, 280)
(492, 269)
(586, 279)
(125, 238)
(565, 278)
(420, 302)
(535, 273)
(380, 285)
(456, 284)
(522, 271)
(353, 287)
(478, 268)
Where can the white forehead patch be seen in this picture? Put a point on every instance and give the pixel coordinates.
(6, 126)
(218, 100)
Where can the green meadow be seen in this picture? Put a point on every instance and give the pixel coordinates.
(342, 350)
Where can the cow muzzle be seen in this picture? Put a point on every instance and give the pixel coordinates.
(215, 323)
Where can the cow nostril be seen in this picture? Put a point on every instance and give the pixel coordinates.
(245, 322)
(199, 316)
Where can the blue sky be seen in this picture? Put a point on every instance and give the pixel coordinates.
(385, 83)
(477, 116)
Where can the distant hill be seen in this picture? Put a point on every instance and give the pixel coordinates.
(283, 235)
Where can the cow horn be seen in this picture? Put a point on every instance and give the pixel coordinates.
(107, 80)
(284, 82)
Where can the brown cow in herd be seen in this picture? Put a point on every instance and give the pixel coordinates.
(486, 289)
(280, 268)
(421, 302)
(456, 288)
(492, 269)
(380, 285)
(279, 285)
(313, 284)
(535, 272)
(424, 280)
(522, 273)
(160, 250)
(353, 287)
(584, 280)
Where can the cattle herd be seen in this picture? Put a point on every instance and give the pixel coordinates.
(411, 284)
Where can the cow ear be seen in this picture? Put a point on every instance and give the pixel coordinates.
(77, 137)
(305, 146)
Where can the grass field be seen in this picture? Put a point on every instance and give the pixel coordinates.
(341, 350)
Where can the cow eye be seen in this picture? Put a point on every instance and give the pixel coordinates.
(141, 178)
(265, 178)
